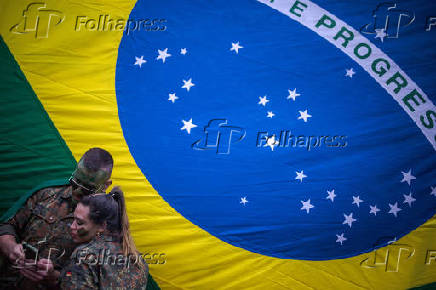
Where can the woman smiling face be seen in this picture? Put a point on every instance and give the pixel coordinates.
(83, 229)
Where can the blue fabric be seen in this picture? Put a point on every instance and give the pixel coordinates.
(205, 182)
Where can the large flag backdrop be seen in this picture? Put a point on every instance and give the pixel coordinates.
(261, 144)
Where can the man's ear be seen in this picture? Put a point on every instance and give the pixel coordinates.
(102, 227)
(107, 184)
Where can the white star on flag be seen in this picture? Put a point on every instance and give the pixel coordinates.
(340, 238)
(394, 209)
(350, 72)
(271, 142)
(262, 101)
(349, 219)
(183, 51)
(304, 115)
(381, 33)
(243, 200)
(357, 200)
(292, 94)
(407, 176)
(236, 47)
(139, 60)
(270, 114)
(306, 205)
(300, 175)
(187, 84)
(163, 54)
(374, 209)
(409, 199)
(172, 97)
(187, 125)
(331, 195)
(433, 191)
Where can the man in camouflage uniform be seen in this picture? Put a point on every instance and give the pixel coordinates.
(43, 224)
(100, 264)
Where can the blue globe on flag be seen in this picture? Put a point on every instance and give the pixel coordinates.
(279, 128)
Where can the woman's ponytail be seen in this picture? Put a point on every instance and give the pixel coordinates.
(126, 239)
(127, 242)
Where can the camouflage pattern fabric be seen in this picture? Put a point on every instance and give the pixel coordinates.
(100, 264)
(44, 224)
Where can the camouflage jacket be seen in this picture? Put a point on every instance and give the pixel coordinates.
(44, 223)
(100, 264)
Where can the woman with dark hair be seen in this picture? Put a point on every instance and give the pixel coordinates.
(107, 257)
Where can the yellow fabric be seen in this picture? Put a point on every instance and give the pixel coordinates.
(73, 74)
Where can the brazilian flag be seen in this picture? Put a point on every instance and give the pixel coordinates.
(270, 144)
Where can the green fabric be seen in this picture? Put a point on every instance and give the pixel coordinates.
(17, 205)
(151, 284)
(431, 286)
(31, 149)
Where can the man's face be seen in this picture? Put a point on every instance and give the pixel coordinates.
(83, 229)
(85, 182)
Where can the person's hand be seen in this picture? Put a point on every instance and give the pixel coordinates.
(13, 251)
(42, 270)
(16, 253)
(29, 270)
(45, 268)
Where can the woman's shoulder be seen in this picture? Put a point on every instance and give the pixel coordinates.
(96, 249)
(108, 267)
(129, 272)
